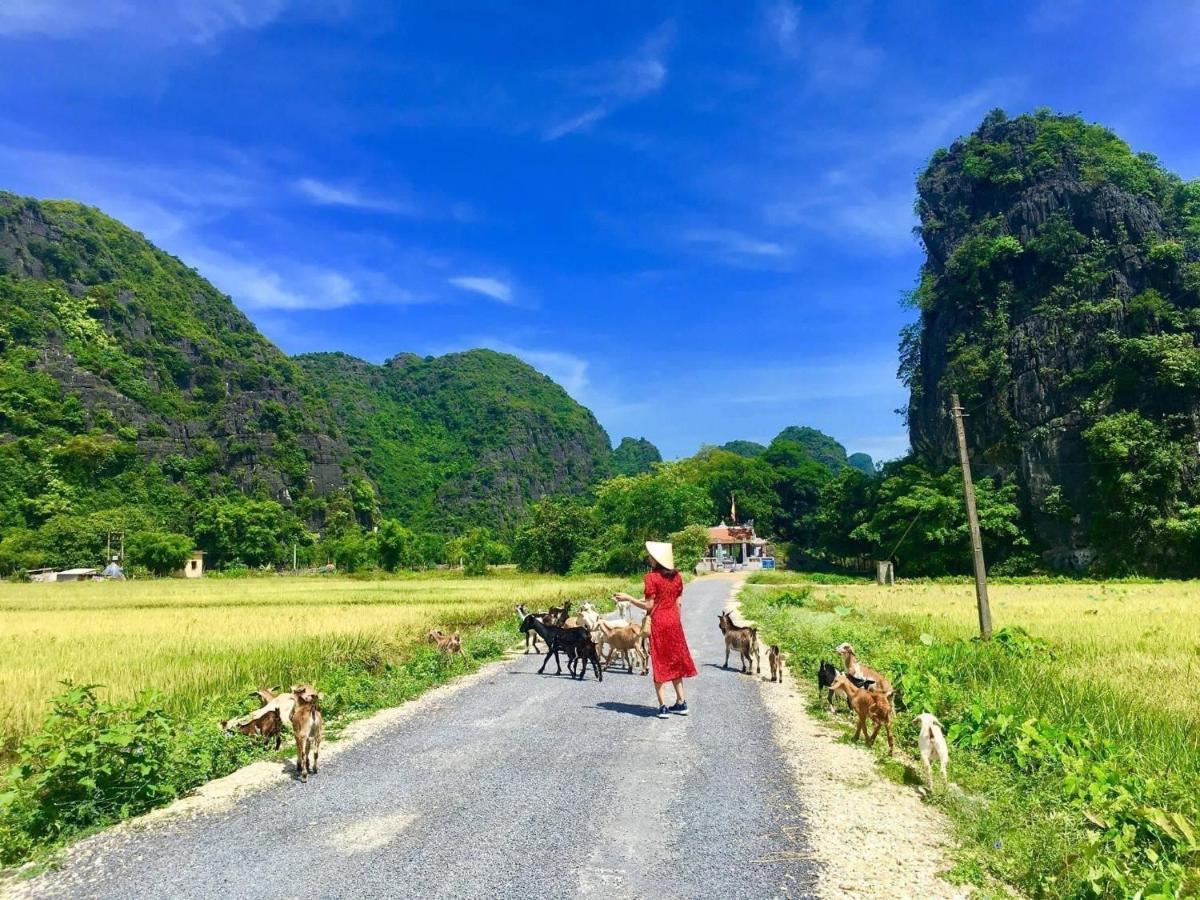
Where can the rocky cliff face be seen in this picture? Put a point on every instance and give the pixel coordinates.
(1061, 286)
(142, 343)
(131, 387)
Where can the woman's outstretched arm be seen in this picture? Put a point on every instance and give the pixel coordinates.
(647, 604)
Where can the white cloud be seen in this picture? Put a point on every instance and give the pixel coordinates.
(783, 26)
(616, 83)
(729, 243)
(283, 284)
(161, 22)
(325, 194)
(489, 287)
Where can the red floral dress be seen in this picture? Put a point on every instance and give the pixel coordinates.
(669, 654)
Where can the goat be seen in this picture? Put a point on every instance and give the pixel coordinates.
(872, 705)
(624, 609)
(308, 725)
(267, 726)
(744, 639)
(448, 644)
(530, 636)
(576, 643)
(932, 743)
(775, 658)
(623, 639)
(825, 678)
(558, 615)
(856, 669)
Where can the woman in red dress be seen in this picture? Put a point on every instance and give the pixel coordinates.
(669, 654)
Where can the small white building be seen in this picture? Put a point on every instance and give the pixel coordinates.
(194, 567)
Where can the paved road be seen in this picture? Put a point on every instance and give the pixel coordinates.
(518, 786)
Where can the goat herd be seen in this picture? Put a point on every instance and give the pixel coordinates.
(586, 639)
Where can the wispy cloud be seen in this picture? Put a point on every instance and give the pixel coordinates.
(325, 194)
(488, 287)
(286, 285)
(782, 21)
(830, 46)
(181, 208)
(735, 246)
(152, 21)
(616, 83)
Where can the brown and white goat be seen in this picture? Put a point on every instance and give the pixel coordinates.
(743, 639)
(864, 673)
(869, 705)
(267, 726)
(449, 644)
(309, 727)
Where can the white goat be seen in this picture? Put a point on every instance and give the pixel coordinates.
(932, 743)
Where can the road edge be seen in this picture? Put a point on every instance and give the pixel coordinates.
(858, 818)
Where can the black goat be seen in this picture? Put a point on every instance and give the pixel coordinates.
(531, 636)
(826, 676)
(576, 643)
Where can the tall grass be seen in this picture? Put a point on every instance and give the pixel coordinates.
(189, 640)
(173, 658)
(1074, 731)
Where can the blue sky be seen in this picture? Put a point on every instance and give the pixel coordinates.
(696, 217)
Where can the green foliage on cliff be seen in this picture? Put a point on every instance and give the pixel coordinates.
(135, 397)
(1061, 300)
(633, 456)
(460, 440)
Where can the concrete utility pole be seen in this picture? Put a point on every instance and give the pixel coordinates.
(981, 594)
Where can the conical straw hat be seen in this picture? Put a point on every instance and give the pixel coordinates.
(662, 553)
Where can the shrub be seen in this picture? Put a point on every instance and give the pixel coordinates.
(161, 553)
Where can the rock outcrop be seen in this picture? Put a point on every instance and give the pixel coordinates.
(1061, 286)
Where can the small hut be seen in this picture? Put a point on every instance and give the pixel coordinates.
(194, 567)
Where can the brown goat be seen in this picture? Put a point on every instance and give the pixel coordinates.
(855, 668)
(267, 726)
(448, 644)
(623, 639)
(775, 658)
(869, 705)
(744, 639)
(309, 727)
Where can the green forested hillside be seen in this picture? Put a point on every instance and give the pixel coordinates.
(459, 440)
(130, 386)
(633, 456)
(135, 397)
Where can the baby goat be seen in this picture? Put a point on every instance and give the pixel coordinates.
(775, 658)
(266, 726)
(932, 743)
(309, 727)
(827, 674)
(869, 705)
(448, 644)
(743, 639)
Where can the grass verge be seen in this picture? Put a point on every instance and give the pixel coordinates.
(99, 757)
(1070, 787)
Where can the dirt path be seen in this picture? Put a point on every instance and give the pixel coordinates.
(512, 784)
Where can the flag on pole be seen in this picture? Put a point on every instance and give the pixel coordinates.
(733, 507)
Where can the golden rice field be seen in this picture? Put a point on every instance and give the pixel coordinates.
(1128, 637)
(187, 639)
